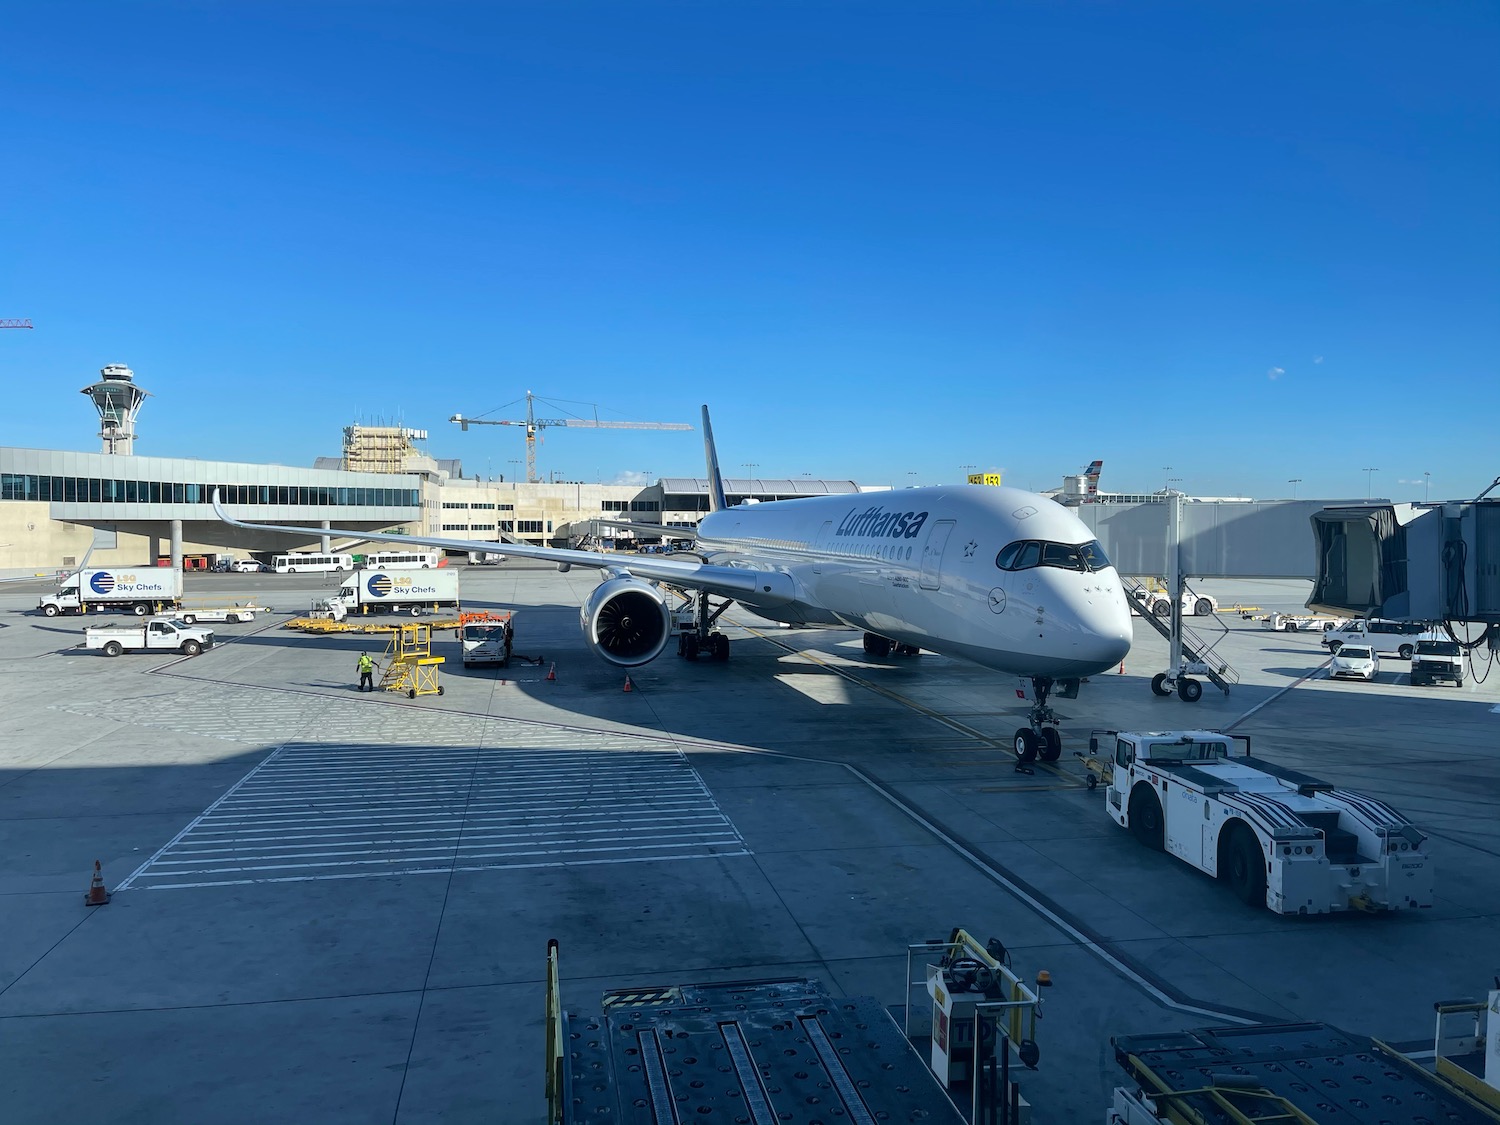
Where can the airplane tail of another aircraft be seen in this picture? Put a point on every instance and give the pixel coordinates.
(716, 501)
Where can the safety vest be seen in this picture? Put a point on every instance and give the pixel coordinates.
(366, 664)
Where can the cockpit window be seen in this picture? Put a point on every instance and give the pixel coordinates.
(1061, 555)
(1066, 556)
(1093, 555)
(1006, 559)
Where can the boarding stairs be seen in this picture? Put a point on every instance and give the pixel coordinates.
(1196, 648)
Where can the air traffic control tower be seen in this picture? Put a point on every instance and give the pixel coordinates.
(118, 401)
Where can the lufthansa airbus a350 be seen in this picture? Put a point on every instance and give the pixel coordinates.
(1005, 578)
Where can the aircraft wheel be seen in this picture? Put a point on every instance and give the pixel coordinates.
(877, 646)
(1145, 817)
(1051, 748)
(690, 646)
(1243, 866)
(1189, 691)
(1026, 745)
(1159, 684)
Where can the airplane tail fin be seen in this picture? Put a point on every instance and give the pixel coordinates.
(716, 501)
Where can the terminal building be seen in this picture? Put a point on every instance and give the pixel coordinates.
(130, 510)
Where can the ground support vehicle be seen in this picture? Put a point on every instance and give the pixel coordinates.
(1296, 1072)
(1279, 838)
(1385, 638)
(160, 634)
(1300, 622)
(1437, 660)
(137, 590)
(416, 593)
(485, 639)
(233, 614)
(1159, 604)
(785, 1049)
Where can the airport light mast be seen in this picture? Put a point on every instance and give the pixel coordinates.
(534, 424)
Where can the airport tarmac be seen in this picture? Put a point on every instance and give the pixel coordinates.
(334, 907)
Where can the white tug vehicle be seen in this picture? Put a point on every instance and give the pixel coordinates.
(1279, 838)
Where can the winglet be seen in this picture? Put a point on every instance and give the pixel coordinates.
(716, 501)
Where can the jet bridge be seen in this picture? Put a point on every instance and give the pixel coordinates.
(1182, 538)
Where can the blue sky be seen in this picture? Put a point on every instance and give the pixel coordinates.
(884, 242)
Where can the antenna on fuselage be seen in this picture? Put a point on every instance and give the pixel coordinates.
(716, 501)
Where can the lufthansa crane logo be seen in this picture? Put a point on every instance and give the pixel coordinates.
(380, 585)
(997, 600)
(103, 582)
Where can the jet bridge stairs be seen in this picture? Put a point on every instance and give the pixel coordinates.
(1197, 649)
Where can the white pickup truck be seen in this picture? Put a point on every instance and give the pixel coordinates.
(160, 634)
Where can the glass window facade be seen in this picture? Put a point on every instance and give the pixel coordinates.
(93, 490)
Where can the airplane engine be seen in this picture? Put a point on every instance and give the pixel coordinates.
(626, 621)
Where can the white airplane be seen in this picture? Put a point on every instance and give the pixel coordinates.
(1005, 578)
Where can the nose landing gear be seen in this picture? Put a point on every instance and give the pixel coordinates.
(1040, 740)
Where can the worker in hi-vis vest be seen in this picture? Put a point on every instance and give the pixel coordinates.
(366, 670)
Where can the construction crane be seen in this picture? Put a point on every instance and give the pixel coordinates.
(533, 424)
(15, 323)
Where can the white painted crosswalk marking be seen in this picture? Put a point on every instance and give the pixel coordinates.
(340, 811)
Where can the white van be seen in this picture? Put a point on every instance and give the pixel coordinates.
(1385, 638)
(402, 560)
(309, 563)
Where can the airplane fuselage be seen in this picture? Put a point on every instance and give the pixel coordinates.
(919, 566)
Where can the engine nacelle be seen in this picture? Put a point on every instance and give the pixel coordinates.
(626, 621)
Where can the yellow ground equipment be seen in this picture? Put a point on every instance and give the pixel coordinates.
(409, 663)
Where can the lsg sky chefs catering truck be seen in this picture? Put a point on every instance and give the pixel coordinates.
(413, 592)
(137, 590)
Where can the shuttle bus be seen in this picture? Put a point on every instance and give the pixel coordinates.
(310, 563)
(403, 560)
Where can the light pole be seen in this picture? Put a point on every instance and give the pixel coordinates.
(1294, 482)
(1166, 472)
(1171, 481)
(913, 474)
(1426, 483)
(1369, 481)
(967, 470)
(516, 472)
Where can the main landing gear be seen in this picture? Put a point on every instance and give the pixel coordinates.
(1041, 740)
(695, 633)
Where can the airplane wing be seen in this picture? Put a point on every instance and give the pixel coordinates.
(722, 581)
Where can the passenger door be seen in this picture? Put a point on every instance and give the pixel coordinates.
(932, 554)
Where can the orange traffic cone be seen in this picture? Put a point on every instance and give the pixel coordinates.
(1121, 672)
(97, 895)
(552, 672)
(628, 685)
